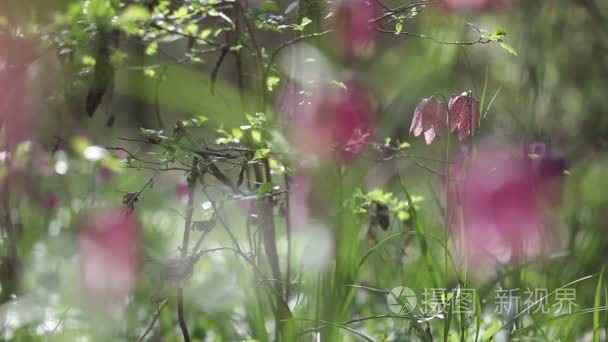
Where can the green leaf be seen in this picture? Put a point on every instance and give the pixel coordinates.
(134, 13)
(305, 21)
(261, 153)
(271, 82)
(237, 133)
(398, 27)
(152, 48)
(79, 144)
(265, 188)
(88, 60)
(256, 135)
(403, 145)
(509, 48)
(131, 16)
(199, 119)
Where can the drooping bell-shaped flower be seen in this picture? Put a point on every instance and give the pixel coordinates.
(464, 114)
(109, 243)
(430, 118)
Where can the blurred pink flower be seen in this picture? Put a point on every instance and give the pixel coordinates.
(109, 243)
(104, 174)
(51, 202)
(16, 119)
(430, 118)
(327, 117)
(354, 33)
(497, 206)
(464, 114)
(181, 190)
(299, 197)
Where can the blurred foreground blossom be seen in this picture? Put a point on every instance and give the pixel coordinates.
(430, 118)
(15, 118)
(104, 174)
(354, 33)
(51, 202)
(109, 242)
(300, 189)
(464, 114)
(324, 117)
(181, 190)
(498, 207)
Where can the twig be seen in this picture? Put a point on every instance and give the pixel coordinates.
(180, 314)
(153, 322)
(187, 225)
(479, 40)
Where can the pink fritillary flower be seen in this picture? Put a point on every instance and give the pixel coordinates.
(430, 118)
(498, 207)
(327, 118)
(354, 33)
(464, 114)
(109, 244)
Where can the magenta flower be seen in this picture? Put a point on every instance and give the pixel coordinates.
(104, 174)
(16, 118)
(464, 114)
(497, 205)
(430, 118)
(326, 118)
(109, 242)
(182, 190)
(354, 33)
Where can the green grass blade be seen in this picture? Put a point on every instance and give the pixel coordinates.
(596, 312)
(477, 317)
(428, 259)
(450, 314)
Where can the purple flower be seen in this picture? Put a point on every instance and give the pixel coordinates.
(464, 114)
(354, 32)
(499, 204)
(430, 118)
(109, 244)
(326, 118)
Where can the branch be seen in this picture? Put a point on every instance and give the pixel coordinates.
(479, 40)
(153, 322)
(185, 241)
